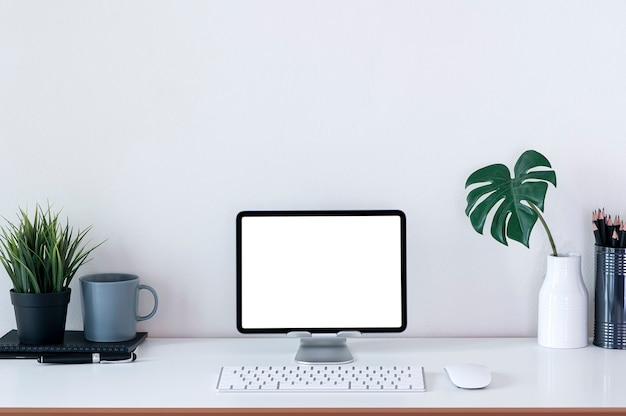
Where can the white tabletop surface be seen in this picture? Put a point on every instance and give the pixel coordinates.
(182, 373)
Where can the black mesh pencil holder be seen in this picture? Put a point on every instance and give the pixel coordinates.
(610, 315)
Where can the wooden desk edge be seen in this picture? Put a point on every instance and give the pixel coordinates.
(310, 411)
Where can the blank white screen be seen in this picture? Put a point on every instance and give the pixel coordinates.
(321, 272)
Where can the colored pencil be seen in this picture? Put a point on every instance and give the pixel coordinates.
(608, 231)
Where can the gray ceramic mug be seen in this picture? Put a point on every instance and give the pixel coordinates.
(110, 303)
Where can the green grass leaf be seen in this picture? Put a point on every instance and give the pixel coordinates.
(40, 254)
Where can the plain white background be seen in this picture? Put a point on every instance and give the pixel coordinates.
(157, 121)
(321, 272)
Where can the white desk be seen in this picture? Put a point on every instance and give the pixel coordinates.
(172, 375)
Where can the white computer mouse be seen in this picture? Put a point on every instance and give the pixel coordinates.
(468, 376)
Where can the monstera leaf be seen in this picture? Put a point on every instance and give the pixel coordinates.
(516, 202)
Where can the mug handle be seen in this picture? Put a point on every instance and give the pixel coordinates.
(156, 302)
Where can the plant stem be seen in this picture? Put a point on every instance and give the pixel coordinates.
(545, 226)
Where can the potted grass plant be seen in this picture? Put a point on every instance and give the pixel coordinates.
(41, 256)
(513, 204)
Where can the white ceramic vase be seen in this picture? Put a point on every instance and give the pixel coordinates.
(563, 304)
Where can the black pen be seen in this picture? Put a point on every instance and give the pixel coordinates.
(87, 358)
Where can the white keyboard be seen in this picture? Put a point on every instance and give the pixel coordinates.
(322, 378)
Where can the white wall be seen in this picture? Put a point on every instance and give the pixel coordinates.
(157, 121)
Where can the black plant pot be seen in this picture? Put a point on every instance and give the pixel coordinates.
(40, 317)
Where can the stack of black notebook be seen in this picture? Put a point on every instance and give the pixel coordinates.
(74, 343)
